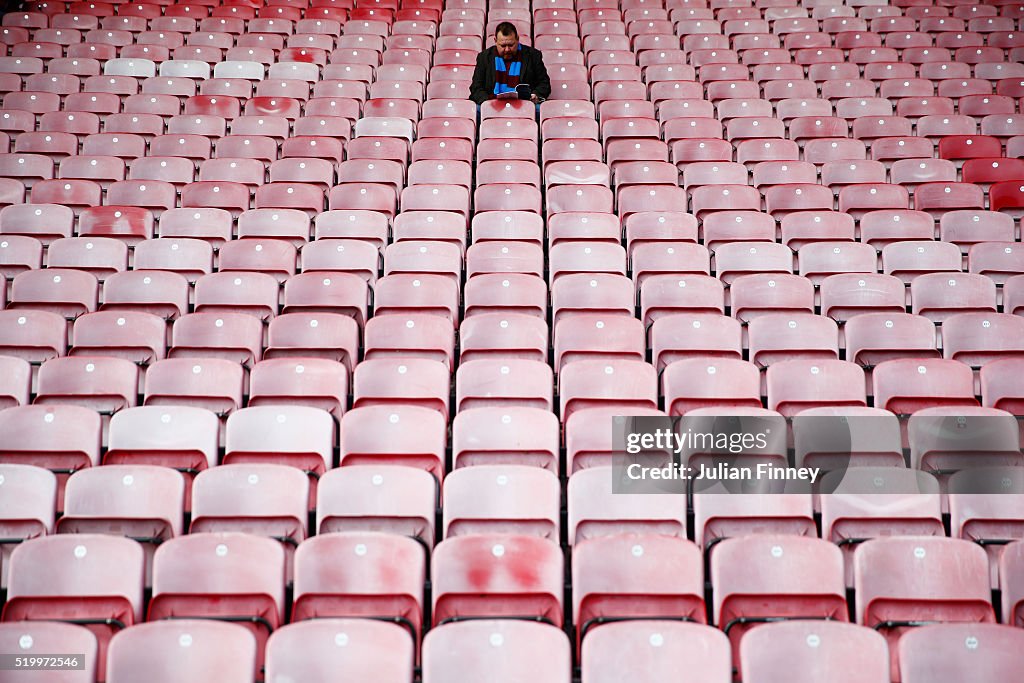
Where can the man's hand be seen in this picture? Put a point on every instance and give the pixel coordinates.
(534, 99)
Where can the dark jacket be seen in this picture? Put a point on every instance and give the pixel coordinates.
(532, 72)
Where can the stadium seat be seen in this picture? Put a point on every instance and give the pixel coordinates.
(615, 578)
(861, 503)
(812, 650)
(459, 563)
(182, 649)
(40, 638)
(945, 439)
(363, 443)
(348, 500)
(623, 384)
(141, 502)
(30, 499)
(299, 436)
(658, 647)
(130, 335)
(67, 292)
(996, 390)
(356, 648)
(797, 385)
(233, 336)
(755, 579)
(900, 582)
(514, 499)
(16, 382)
(906, 385)
(93, 580)
(257, 499)
(360, 586)
(515, 649)
(947, 652)
(1011, 573)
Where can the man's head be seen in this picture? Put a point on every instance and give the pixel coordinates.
(506, 39)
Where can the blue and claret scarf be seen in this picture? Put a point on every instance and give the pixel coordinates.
(506, 76)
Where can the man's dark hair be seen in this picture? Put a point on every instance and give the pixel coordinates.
(506, 28)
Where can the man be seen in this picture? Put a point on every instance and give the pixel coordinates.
(499, 69)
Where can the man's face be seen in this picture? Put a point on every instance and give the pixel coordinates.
(506, 45)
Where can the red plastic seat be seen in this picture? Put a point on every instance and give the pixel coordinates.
(841, 652)
(795, 577)
(908, 385)
(506, 293)
(33, 336)
(39, 638)
(819, 260)
(595, 383)
(979, 338)
(875, 500)
(519, 642)
(604, 591)
(328, 330)
(232, 196)
(517, 499)
(155, 195)
(189, 569)
(162, 644)
(902, 581)
(755, 295)
(780, 336)
(368, 226)
(64, 291)
(27, 168)
(237, 293)
(137, 501)
(908, 260)
(913, 173)
(19, 253)
(99, 256)
(797, 385)
(128, 224)
(859, 199)
(1011, 564)
(996, 390)
(230, 335)
(998, 261)
(457, 564)
(490, 435)
(383, 651)
(368, 449)
(214, 384)
(303, 438)
(844, 296)
(665, 294)
(256, 499)
(245, 171)
(102, 590)
(875, 337)
(76, 194)
(427, 384)
(945, 652)
(188, 258)
(325, 588)
(659, 647)
(131, 335)
(940, 295)
(738, 258)
(180, 437)
(944, 440)
(1007, 196)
